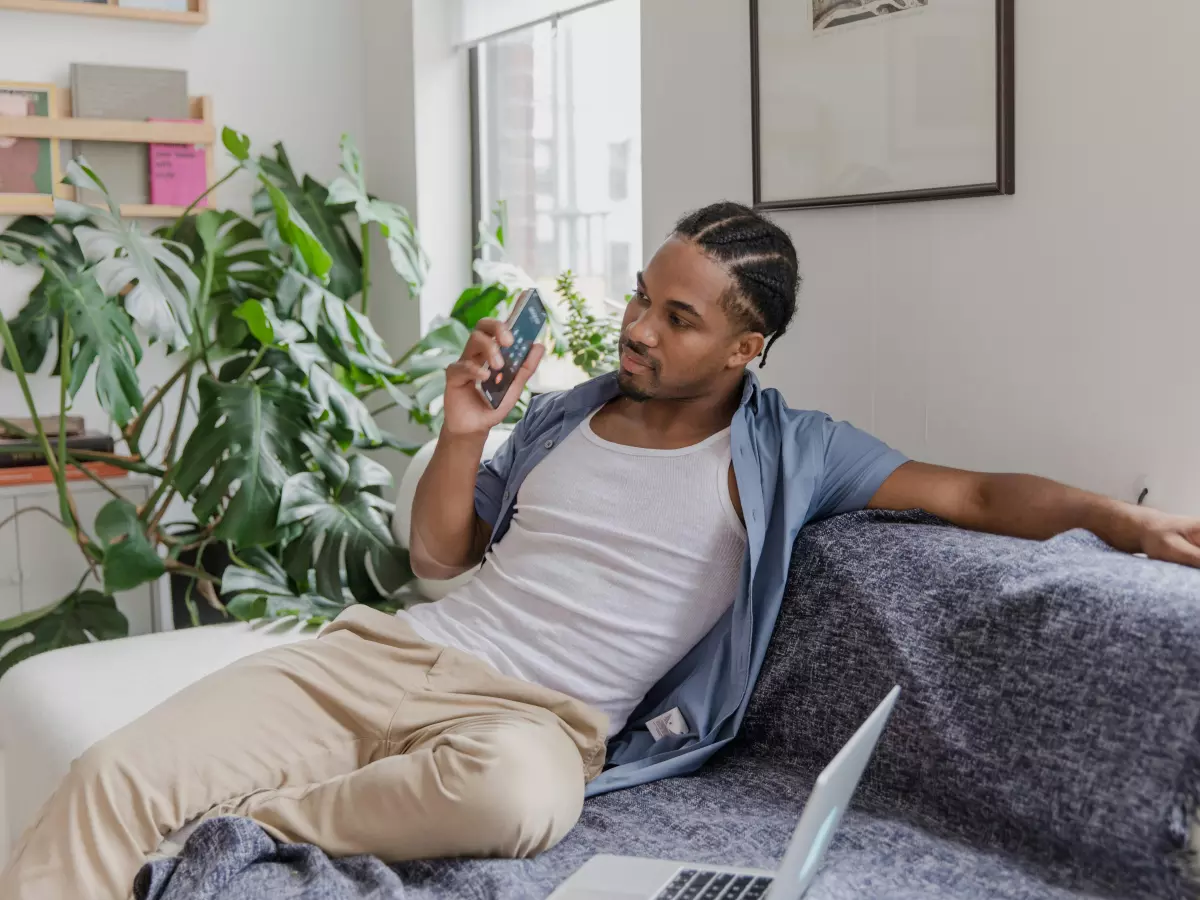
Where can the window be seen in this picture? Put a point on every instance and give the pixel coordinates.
(558, 130)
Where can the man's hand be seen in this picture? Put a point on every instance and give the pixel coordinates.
(466, 410)
(1037, 508)
(1169, 538)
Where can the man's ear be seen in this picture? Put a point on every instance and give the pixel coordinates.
(747, 348)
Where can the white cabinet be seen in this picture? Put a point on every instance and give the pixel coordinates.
(39, 563)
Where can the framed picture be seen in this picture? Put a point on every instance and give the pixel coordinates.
(881, 101)
(29, 167)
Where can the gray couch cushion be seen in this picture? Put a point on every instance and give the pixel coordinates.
(1052, 690)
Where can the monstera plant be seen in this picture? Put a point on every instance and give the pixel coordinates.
(265, 320)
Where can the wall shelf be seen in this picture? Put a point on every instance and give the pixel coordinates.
(197, 15)
(107, 130)
(66, 128)
(44, 206)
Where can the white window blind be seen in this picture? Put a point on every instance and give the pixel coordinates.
(479, 20)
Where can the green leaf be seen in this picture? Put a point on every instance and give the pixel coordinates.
(310, 200)
(345, 540)
(247, 444)
(256, 595)
(34, 327)
(78, 618)
(478, 302)
(254, 314)
(404, 245)
(161, 285)
(104, 337)
(236, 143)
(130, 559)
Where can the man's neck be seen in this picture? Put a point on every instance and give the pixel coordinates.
(667, 424)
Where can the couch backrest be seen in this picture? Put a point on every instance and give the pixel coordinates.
(1051, 690)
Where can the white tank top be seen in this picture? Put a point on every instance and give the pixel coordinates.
(617, 562)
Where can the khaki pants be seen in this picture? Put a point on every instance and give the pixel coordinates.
(365, 740)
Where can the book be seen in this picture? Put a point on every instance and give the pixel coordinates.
(49, 425)
(133, 94)
(178, 172)
(41, 474)
(20, 453)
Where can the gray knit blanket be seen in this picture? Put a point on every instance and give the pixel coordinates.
(1045, 745)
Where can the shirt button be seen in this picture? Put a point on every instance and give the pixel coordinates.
(754, 515)
(507, 494)
(549, 445)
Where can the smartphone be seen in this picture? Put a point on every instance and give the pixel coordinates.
(526, 323)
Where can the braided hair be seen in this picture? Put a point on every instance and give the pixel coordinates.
(759, 257)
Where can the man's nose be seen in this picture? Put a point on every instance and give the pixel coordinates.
(641, 332)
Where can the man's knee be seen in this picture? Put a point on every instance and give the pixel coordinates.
(531, 790)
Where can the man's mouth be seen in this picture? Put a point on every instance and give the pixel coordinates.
(634, 364)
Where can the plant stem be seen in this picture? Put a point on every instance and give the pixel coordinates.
(384, 408)
(187, 212)
(64, 368)
(60, 484)
(366, 268)
(164, 485)
(133, 431)
(262, 351)
(178, 568)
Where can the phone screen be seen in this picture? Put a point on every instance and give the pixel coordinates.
(525, 328)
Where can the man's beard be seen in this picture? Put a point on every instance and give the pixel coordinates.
(630, 391)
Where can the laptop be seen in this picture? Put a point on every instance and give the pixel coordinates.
(632, 878)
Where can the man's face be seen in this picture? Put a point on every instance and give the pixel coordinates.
(677, 340)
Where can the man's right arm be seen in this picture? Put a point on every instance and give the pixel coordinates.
(447, 536)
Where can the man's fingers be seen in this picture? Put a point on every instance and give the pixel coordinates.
(496, 330)
(482, 348)
(1178, 549)
(536, 352)
(465, 371)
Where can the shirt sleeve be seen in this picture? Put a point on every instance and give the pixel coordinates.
(491, 480)
(856, 466)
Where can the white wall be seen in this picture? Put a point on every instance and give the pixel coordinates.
(289, 70)
(1056, 331)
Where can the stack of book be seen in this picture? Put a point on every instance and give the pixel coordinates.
(22, 461)
(162, 174)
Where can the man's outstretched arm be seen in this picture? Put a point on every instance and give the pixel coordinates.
(1030, 507)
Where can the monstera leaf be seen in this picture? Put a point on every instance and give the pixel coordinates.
(329, 394)
(344, 541)
(162, 288)
(104, 337)
(130, 560)
(404, 246)
(81, 617)
(248, 437)
(235, 246)
(304, 217)
(265, 591)
(30, 240)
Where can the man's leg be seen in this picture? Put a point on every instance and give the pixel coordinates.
(367, 740)
(293, 715)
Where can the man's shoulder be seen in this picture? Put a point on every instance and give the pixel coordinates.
(773, 412)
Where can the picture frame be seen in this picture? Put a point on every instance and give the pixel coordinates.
(862, 102)
(30, 168)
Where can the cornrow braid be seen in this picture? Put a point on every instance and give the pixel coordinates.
(759, 257)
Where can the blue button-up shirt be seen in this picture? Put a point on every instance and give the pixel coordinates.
(792, 466)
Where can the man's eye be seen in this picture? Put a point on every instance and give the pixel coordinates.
(678, 322)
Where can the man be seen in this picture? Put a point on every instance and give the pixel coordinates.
(635, 535)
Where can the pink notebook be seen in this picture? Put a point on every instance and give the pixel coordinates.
(178, 172)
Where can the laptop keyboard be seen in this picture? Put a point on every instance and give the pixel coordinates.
(696, 884)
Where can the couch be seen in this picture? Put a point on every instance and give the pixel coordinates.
(1045, 744)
